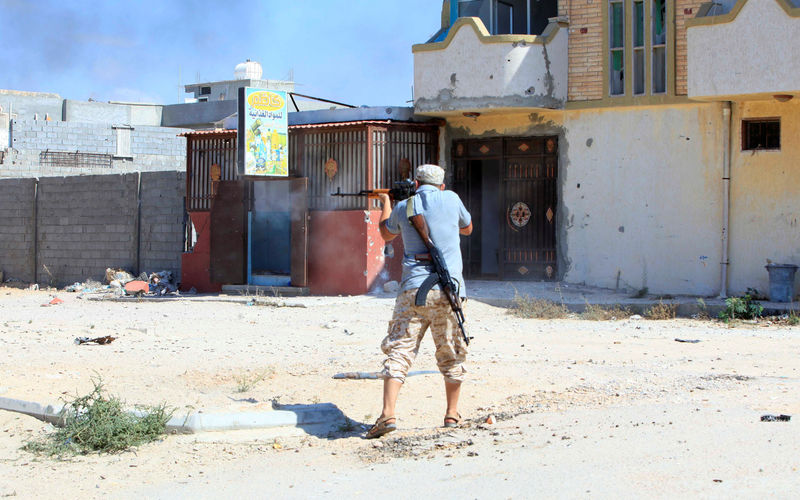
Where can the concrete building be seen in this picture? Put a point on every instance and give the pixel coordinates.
(43, 134)
(638, 144)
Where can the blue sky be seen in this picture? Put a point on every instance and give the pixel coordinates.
(356, 51)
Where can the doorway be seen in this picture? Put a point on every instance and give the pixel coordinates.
(509, 185)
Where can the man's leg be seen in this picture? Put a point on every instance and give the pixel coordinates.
(391, 388)
(452, 390)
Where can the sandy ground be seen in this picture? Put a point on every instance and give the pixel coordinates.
(606, 409)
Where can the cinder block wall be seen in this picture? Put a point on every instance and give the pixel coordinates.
(17, 228)
(86, 224)
(152, 148)
(162, 223)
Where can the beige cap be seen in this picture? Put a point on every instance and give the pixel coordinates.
(430, 174)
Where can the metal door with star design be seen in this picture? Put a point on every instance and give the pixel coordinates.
(529, 201)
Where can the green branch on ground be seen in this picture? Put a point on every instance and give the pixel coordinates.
(99, 423)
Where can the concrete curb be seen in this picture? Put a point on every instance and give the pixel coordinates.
(314, 419)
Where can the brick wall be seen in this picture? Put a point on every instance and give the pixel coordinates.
(17, 228)
(88, 223)
(152, 148)
(684, 9)
(585, 79)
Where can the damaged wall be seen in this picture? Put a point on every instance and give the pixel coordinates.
(643, 197)
(85, 224)
(472, 70)
(639, 190)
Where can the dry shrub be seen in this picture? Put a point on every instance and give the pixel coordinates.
(99, 423)
(596, 312)
(661, 311)
(527, 307)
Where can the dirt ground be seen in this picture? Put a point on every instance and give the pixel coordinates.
(607, 408)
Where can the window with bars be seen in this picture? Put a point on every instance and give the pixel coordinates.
(761, 134)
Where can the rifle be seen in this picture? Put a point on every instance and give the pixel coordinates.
(401, 190)
(441, 276)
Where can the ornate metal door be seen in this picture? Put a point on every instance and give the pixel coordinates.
(529, 201)
(518, 177)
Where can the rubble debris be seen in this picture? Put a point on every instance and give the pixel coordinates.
(775, 418)
(121, 276)
(688, 341)
(97, 340)
(135, 287)
(33, 287)
(162, 283)
(490, 420)
(89, 286)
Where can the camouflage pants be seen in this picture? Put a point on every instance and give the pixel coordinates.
(407, 327)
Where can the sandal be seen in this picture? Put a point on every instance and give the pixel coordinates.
(451, 421)
(382, 426)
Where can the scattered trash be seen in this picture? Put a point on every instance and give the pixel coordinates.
(490, 420)
(635, 317)
(135, 287)
(97, 340)
(35, 286)
(348, 332)
(89, 286)
(119, 275)
(55, 301)
(688, 341)
(717, 480)
(775, 418)
(391, 286)
(162, 283)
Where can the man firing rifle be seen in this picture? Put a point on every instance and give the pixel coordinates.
(443, 218)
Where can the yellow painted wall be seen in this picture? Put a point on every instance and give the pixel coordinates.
(765, 198)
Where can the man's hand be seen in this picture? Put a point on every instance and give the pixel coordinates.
(384, 199)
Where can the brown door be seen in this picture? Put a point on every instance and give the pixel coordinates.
(509, 187)
(528, 200)
(299, 231)
(228, 235)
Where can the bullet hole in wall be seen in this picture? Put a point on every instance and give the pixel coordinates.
(621, 229)
(589, 142)
(579, 185)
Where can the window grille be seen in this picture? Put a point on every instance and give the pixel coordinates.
(74, 159)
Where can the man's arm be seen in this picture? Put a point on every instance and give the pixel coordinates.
(386, 212)
(466, 231)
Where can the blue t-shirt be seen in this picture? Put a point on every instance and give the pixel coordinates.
(445, 214)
